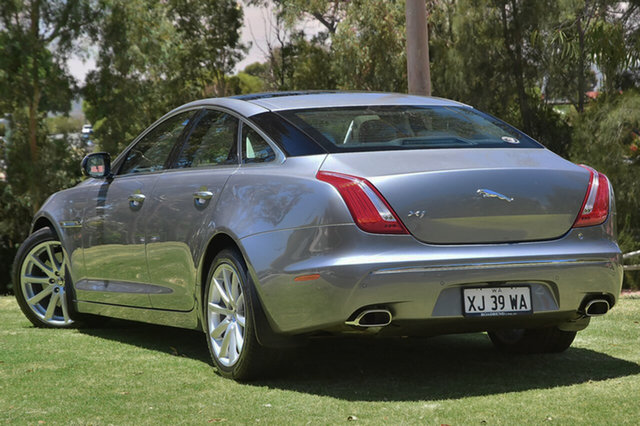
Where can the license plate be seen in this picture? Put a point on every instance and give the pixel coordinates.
(494, 301)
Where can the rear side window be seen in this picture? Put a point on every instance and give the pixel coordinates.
(254, 148)
(150, 153)
(212, 142)
(376, 128)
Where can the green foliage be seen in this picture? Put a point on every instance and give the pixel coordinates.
(243, 83)
(369, 47)
(154, 56)
(604, 138)
(62, 124)
(28, 184)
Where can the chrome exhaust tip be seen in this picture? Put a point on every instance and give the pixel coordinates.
(372, 318)
(596, 308)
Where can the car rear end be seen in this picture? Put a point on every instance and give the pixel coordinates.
(448, 221)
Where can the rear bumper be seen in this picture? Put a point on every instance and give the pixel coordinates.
(421, 284)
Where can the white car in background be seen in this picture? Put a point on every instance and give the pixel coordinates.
(87, 129)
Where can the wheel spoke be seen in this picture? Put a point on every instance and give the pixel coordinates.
(44, 268)
(233, 349)
(65, 308)
(223, 294)
(239, 338)
(53, 302)
(228, 279)
(220, 329)
(38, 297)
(35, 280)
(219, 309)
(235, 289)
(52, 259)
(224, 347)
(240, 320)
(240, 303)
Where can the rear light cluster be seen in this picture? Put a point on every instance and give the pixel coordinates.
(595, 207)
(369, 209)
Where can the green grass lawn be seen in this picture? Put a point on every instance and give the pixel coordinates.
(126, 373)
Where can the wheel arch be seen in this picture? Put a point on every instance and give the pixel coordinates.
(264, 331)
(43, 221)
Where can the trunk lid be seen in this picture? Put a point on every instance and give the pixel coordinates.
(467, 196)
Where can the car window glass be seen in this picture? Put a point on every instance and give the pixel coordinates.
(212, 142)
(376, 128)
(254, 148)
(150, 153)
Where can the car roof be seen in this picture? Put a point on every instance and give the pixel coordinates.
(329, 99)
(257, 103)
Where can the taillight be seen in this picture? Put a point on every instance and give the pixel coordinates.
(595, 207)
(368, 208)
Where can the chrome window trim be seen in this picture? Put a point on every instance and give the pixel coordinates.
(201, 105)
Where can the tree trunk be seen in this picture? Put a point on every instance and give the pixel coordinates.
(35, 82)
(515, 54)
(418, 75)
(581, 64)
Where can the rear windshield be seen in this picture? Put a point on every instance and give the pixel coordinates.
(375, 128)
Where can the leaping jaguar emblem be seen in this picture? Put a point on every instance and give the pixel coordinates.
(487, 193)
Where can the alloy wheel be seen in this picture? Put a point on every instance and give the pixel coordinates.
(226, 314)
(42, 280)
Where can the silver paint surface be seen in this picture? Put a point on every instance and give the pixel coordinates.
(146, 263)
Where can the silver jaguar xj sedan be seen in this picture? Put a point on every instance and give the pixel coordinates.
(269, 218)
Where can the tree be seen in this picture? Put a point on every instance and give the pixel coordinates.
(208, 47)
(36, 39)
(369, 47)
(123, 94)
(154, 56)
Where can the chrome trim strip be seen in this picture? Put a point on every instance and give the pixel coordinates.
(71, 224)
(496, 265)
(121, 287)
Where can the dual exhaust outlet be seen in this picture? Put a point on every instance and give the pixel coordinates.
(383, 317)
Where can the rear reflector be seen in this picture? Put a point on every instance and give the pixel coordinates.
(595, 207)
(369, 209)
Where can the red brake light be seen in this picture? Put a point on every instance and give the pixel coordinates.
(368, 208)
(595, 207)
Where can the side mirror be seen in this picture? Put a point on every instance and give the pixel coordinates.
(97, 165)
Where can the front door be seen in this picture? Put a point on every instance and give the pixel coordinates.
(115, 220)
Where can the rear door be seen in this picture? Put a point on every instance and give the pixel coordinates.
(182, 205)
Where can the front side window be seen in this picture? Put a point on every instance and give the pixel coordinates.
(374, 128)
(150, 153)
(212, 142)
(254, 148)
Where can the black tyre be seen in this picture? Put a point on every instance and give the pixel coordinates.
(40, 280)
(535, 341)
(229, 306)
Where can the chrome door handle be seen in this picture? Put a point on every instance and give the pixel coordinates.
(135, 200)
(202, 197)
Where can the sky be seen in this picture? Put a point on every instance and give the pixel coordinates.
(257, 30)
